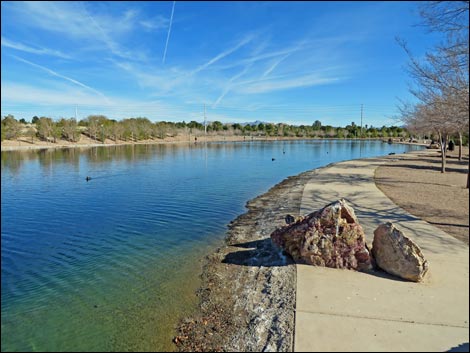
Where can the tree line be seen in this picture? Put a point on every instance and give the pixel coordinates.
(101, 128)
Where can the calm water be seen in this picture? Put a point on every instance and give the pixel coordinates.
(112, 263)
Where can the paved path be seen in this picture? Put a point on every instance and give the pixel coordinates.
(341, 310)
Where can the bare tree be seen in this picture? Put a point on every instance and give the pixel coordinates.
(442, 79)
(70, 129)
(45, 128)
(117, 130)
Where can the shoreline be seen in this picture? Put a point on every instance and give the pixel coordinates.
(23, 145)
(248, 287)
(251, 306)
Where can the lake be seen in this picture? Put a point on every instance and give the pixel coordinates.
(112, 263)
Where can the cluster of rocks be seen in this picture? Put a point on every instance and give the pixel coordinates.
(333, 237)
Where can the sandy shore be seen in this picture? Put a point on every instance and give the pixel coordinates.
(247, 297)
(24, 144)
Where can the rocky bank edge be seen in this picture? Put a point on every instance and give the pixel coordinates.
(247, 296)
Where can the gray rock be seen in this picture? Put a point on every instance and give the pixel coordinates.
(397, 254)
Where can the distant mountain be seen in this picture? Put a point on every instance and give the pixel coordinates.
(257, 122)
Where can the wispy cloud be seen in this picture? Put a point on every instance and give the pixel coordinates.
(231, 82)
(111, 43)
(40, 51)
(72, 20)
(260, 57)
(169, 30)
(53, 73)
(225, 53)
(19, 94)
(156, 23)
(230, 85)
(263, 86)
(274, 65)
(155, 78)
(26, 100)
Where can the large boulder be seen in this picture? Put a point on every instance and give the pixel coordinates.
(330, 237)
(397, 254)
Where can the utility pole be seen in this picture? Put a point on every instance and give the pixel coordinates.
(361, 118)
(205, 127)
(75, 113)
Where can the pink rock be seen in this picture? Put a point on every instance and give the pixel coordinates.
(330, 237)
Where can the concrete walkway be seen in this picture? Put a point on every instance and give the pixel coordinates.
(341, 310)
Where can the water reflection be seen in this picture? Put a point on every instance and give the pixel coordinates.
(13, 160)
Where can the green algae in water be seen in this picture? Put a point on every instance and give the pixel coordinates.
(135, 314)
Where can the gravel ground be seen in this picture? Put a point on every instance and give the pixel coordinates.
(415, 183)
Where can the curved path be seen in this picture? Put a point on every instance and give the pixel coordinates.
(341, 310)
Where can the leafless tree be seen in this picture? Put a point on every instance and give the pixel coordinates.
(70, 129)
(442, 78)
(45, 127)
(117, 130)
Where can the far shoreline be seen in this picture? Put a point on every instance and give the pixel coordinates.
(23, 145)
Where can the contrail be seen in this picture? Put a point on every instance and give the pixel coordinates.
(169, 30)
(268, 71)
(230, 85)
(223, 54)
(62, 76)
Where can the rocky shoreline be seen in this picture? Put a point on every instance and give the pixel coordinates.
(247, 295)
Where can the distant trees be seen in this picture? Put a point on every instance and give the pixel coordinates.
(95, 126)
(11, 128)
(69, 129)
(116, 131)
(45, 128)
(100, 128)
(31, 133)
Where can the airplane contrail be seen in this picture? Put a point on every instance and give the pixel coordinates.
(169, 30)
(62, 76)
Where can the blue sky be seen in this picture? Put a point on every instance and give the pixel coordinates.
(293, 62)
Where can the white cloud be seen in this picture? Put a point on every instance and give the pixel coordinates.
(53, 73)
(24, 100)
(13, 93)
(73, 20)
(155, 24)
(263, 86)
(40, 51)
(225, 53)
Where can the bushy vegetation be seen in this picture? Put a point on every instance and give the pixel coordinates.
(101, 128)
